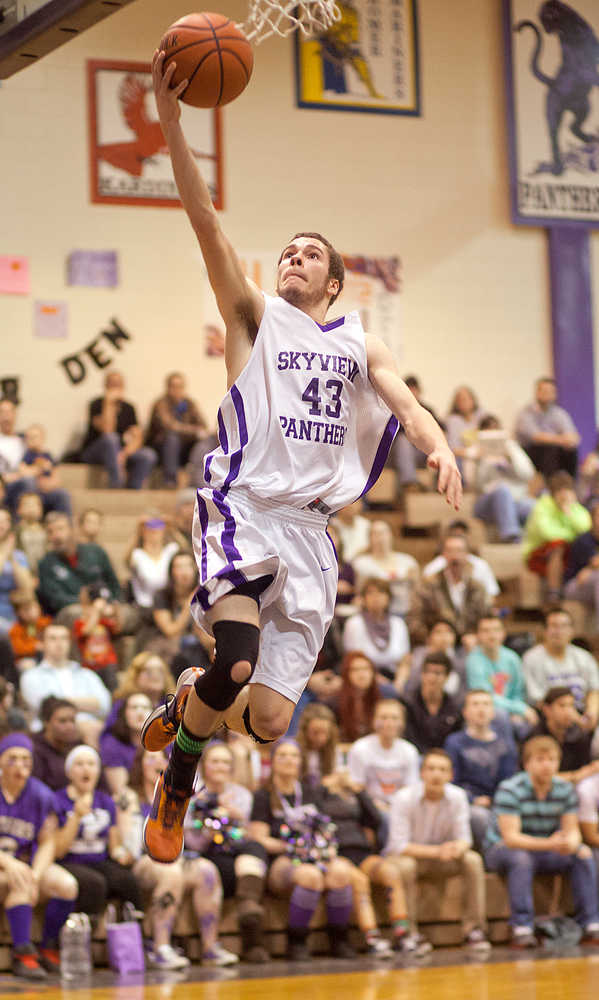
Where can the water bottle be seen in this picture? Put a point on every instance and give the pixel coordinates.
(75, 947)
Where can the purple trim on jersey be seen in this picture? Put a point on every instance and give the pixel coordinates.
(228, 572)
(222, 432)
(203, 516)
(327, 327)
(381, 453)
(237, 456)
(207, 462)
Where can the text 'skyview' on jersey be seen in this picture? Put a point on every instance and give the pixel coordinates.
(302, 423)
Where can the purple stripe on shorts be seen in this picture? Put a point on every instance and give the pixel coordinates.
(207, 462)
(203, 516)
(331, 326)
(230, 573)
(381, 453)
(229, 547)
(237, 456)
(222, 432)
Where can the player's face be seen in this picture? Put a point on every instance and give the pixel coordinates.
(303, 273)
(15, 767)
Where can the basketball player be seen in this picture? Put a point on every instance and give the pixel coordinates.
(306, 425)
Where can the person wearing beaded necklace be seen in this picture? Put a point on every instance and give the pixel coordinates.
(215, 828)
(302, 850)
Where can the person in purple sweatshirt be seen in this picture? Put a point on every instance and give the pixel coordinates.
(27, 869)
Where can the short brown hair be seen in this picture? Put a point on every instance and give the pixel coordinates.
(436, 752)
(560, 480)
(537, 745)
(336, 265)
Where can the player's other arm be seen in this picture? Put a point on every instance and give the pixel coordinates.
(421, 428)
(240, 303)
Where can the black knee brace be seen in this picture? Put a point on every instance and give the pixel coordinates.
(234, 641)
(250, 731)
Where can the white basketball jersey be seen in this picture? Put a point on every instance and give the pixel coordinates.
(302, 424)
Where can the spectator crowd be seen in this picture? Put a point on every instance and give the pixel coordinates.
(431, 741)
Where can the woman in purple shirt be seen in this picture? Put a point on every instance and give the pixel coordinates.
(88, 841)
(120, 742)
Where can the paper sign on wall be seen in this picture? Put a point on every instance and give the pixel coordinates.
(51, 319)
(94, 268)
(14, 275)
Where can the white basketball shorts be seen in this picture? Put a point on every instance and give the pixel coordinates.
(239, 537)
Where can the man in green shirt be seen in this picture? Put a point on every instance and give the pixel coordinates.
(555, 521)
(68, 567)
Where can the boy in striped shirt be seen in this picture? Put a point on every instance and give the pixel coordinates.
(535, 829)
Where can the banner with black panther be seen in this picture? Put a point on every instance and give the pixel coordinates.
(552, 71)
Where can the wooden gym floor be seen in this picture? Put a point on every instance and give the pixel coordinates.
(540, 977)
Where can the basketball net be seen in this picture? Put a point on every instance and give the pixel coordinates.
(267, 17)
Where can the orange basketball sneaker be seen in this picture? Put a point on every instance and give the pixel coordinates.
(163, 829)
(160, 728)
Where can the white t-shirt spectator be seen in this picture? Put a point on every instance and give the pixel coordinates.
(481, 572)
(71, 681)
(576, 670)
(356, 636)
(149, 575)
(383, 772)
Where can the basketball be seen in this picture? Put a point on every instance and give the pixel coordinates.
(212, 54)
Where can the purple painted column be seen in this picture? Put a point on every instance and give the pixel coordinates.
(572, 318)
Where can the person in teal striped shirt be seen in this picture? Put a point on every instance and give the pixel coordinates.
(535, 829)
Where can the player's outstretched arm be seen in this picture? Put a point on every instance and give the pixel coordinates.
(421, 428)
(236, 296)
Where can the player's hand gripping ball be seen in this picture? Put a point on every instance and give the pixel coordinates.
(212, 54)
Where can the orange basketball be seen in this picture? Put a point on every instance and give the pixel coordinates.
(213, 54)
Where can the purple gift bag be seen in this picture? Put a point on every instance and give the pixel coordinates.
(124, 944)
